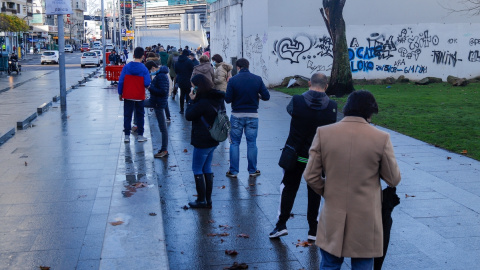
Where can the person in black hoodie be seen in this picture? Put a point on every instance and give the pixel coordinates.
(309, 111)
(184, 70)
(202, 111)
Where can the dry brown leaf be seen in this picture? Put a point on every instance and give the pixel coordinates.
(26, 165)
(211, 234)
(44, 267)
(140, 185)
(185, 207)
(222, 187)
(464, 152)
(406, 195)
(224, 234)
(243, 235)
(116, 223)
(236, 266)
(185, 150)
(303, 244)
(231, 252)
(223, 226)
(449, 157)
(152, 214)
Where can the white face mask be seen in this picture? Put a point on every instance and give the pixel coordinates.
(213, 63)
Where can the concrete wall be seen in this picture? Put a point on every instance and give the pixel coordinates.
(285, 38)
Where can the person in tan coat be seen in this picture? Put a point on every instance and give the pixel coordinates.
(204, 68)
(223, 72)
(353, 156)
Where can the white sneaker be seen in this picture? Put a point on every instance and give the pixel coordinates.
(127, 139)
(140, 138)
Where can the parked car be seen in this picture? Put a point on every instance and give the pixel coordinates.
(100, 55)
(109, 47)
(89, 58)
(68, 48)
(85, 47)
(49, 57)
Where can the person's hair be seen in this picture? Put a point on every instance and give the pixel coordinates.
(191, 54)
(186, 52)
(243, 63)
(150, 65)
(203, 83)
(319, 80)
(138, 53)
(203, 59)
(217, 58)
(361, 103)
(151, 54)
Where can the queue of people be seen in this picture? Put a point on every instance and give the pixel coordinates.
(352, 154)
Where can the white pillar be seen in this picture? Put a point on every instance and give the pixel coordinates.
(190, 22)
(183, 22)
(197, 22)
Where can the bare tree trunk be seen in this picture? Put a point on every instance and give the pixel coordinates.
(341, 82)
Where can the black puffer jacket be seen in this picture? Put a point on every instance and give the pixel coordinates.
(184, 70)
(204, 105)
(159, 89)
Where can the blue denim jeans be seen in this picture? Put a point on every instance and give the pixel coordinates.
(202, 160)
(331, 262)
(250, 127)
(129, 107)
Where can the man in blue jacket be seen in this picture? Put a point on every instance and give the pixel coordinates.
(131, 90)
(244, 91)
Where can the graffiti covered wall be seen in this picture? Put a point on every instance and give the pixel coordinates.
(376, 52)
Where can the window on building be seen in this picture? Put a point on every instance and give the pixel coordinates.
(18, 8)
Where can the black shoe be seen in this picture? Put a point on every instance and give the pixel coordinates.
(278, 231)
(231, 175)
(181, 111)
(197, 204)
(255, 174)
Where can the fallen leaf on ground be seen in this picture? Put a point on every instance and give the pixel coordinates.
(236, 266)
(116, 223)
(449, 157)
(217, 164)
(221, 240)
(303, 244)
(26, 163)
(172, 166)
(44, 267)
(211, 234)
(231, 252)
(464, 152)
(243, 235)
(223, 226)
(185, 207)
(152, 214)
(222, 187)
(140, 185)
(211, 221)
(406, 195)
(252, 185)
(185, 150)
(81, 196)
(224, 234)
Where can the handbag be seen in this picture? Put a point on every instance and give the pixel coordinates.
(288, 158)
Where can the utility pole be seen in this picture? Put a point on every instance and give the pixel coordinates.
(120, 24)
(103, 40)
(61, 63)
(114, 24)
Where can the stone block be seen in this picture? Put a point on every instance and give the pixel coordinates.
(4, 137)
(44, 107)
(24, 122)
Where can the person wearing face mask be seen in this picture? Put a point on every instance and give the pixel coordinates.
(184, 69)
(222, 74)
(158, 101)
(202, 111)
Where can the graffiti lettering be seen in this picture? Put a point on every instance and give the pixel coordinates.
(318, 68)
(415, 69)
(474, 56)
(423, 40)
(388, 68)
(446, 58)
(383, 48)
(405, 53)
(291, 49)
(474, 41)
(452, 41)
(364, 53)
(325, 45)
(354, 43)
(361, 65)
(400, 62)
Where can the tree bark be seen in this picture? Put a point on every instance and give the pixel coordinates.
(341, 82)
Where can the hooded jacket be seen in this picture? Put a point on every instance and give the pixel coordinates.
(159, 89)
(203, 105)
(133, 80)
(184, 69)
(221, 74)
(172, 60)
(163, 57)
(206, 70)
(309, 111)
(156, 60)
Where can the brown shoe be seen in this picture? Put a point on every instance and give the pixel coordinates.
(161, 154)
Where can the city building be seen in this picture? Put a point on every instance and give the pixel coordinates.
(23, 10)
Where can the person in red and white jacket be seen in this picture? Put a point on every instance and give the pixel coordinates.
(131, 90)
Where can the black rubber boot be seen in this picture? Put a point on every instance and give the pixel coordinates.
(209, 188)
(200, 185)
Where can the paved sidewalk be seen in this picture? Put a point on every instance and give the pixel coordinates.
(436, 226)
(65, 180)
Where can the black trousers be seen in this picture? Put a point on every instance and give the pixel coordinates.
(184, 95)
(291, 180)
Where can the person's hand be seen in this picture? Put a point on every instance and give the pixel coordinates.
(120, 97)
(192, 95)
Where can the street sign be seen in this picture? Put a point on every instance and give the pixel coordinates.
(124, 32)
(58, 7)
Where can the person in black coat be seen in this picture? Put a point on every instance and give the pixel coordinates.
(184, 70)
(202, 111)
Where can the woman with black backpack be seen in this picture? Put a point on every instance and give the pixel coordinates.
(202, 111)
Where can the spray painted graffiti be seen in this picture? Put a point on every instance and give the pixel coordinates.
(292, 48)
(317, 68)
(474, 56)
(445, 58)
(325, 45)
(474, 41)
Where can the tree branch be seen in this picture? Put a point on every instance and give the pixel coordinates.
(472, 7)
(327, 23)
